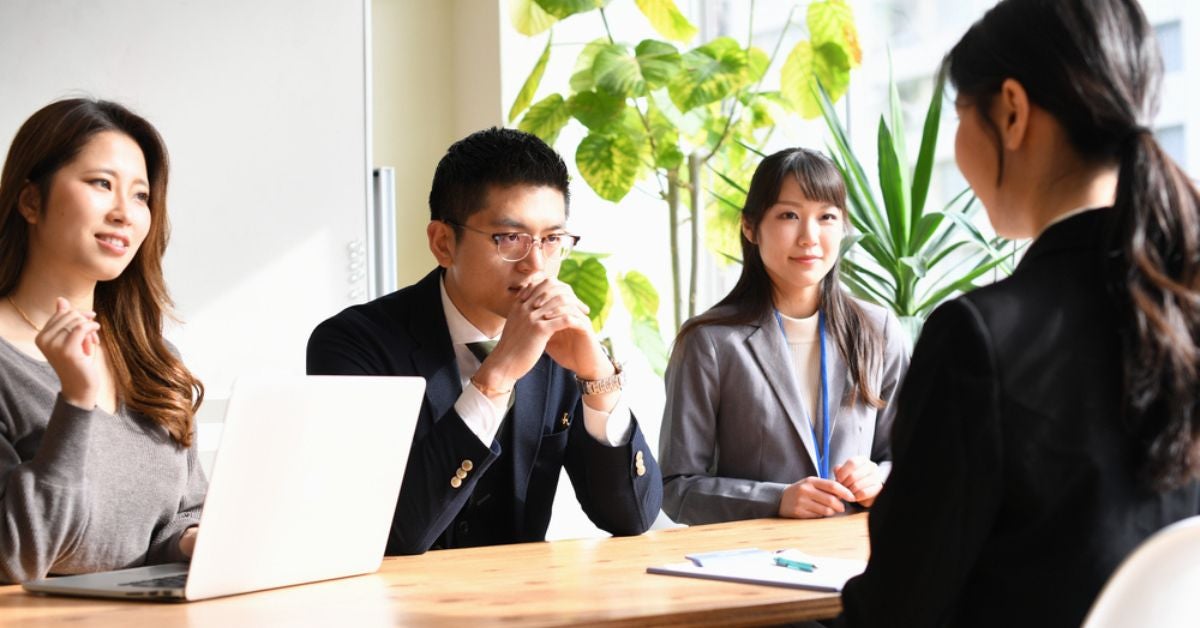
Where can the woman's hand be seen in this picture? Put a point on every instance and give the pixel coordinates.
(861, 477)
(70, 341)
(812, 498)
(187, 540)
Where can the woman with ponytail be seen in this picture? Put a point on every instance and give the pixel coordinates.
(1051, 421)
(779, 397)
(98, 466)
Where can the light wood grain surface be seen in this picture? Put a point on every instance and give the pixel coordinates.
(585, 582)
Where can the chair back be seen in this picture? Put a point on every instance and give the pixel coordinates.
(1157, 585)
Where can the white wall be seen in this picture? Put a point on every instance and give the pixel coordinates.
(263, 108)
(436, 78)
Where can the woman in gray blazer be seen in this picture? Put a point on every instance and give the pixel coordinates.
(778, 398)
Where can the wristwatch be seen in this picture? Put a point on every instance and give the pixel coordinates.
(604, 384)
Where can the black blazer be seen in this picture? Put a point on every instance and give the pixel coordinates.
(1013, 494)
(405, 333)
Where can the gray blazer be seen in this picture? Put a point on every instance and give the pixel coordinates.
(735, 432)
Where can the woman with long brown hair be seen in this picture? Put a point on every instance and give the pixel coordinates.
(778, 397)
(98, 466)
(1051, 421)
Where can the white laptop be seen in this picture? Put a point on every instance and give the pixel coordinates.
(303, 489)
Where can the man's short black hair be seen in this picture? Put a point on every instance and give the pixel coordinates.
(492, 157)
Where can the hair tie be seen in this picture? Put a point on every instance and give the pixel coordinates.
(1137, 132)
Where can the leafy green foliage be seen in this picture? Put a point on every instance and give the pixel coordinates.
(672, 117)
(905, 257)
(710, 73)
(828, 56)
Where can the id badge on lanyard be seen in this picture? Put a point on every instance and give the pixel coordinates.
(822, 447)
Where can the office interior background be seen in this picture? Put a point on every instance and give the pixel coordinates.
(276, 111)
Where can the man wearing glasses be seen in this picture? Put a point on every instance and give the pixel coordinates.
(517, 384)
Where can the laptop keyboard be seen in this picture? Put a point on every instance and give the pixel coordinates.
(168, 582)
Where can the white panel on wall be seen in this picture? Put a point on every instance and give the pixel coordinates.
(264, 109)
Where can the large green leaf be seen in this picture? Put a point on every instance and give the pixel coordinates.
(566, 8)
(598, 109)
(895, 191)
(926, 226)
(929, 136)
(529, 18)
(609, 164)
(649, 341)
(687, 123)
(582, 79)
(589, 279)
(617, 71)
(546, 118)
(710, 73)
(639, 295)
(659, 62)
(631, 125)
(805, 66)
(832, 22)
(641, 299)
(621, 72)
(756, 64)
(525, 96)
(667, 154)
(797, 81)
(832, 67)
(665, 17)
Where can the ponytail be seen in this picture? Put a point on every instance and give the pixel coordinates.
(1158, 232)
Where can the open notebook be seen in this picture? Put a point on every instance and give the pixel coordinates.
(762, 567)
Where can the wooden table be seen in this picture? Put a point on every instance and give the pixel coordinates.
(585, 582)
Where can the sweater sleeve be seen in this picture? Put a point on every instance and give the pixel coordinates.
(164, 547)
(43, 502)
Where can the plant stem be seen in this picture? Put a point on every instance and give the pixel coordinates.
(607, 31)
(673, 214)
(774, 53)
(694, 173)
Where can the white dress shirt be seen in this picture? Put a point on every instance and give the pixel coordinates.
(483, 414)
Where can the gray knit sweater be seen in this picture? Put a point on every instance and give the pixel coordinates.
(85, 490)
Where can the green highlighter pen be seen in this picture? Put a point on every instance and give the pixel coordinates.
(794, 564)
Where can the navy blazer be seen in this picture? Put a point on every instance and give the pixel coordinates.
(1015, 487)
(405, 333)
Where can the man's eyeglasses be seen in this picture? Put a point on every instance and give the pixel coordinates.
(515, 246)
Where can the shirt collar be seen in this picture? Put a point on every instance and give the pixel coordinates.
(461, 329)
(1066, 215)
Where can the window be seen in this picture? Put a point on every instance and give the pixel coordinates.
(1170, 41)
(1172, 139)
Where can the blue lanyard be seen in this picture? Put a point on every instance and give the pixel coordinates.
(822, 451)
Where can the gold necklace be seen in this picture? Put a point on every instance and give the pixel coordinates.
(24, 315)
